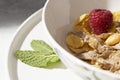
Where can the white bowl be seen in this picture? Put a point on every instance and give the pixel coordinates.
(58, 17)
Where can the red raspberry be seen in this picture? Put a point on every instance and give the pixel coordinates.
(100, 20)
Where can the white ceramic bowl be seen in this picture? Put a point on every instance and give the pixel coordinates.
(58, 17)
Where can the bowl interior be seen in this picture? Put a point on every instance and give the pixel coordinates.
(60, 15)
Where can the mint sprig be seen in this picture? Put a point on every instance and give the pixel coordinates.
(42, 46)
(42, 55)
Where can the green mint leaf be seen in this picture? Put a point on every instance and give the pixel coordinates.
(36, 58)
(42, 46)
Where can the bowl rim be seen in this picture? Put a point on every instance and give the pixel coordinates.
(25, 27)
(66, 53)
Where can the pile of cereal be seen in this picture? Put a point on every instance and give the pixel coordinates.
(96, 39)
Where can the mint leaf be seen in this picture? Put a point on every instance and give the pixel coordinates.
(40, 45)
(36, 58)
(42, 56)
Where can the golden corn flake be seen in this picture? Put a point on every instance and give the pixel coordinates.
(104, 35)
(112, 28)
(113, 39)
(85, 48)
(81, 19)
(116, 16)
(82, 24)
(78, 50)
(74, 41)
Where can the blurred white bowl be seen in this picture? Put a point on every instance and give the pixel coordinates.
(58, 17)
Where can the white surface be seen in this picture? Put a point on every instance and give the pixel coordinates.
(26, 72)
(5, 39)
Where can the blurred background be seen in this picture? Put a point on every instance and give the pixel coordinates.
(16, 11)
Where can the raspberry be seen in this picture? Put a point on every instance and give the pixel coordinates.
(100, 20)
